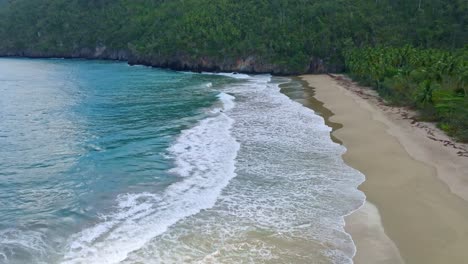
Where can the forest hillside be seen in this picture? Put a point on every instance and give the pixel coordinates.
(279, 36)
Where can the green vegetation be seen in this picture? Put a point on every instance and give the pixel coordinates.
(430, 80)
(411, 51)
(287, 33)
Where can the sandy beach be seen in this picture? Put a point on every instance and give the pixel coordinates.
(416, 177)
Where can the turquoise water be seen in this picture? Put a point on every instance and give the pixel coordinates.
(101, 162)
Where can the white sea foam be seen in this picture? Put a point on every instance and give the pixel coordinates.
(231, 74)
(226, 104)
(14, 241)
(205, 159)
(286, 204)
(310, 179)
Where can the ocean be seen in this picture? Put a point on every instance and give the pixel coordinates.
(102, 162)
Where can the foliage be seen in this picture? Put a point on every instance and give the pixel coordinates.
(431, 80)
(290, 33)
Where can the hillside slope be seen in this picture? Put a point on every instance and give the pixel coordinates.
(276, 36)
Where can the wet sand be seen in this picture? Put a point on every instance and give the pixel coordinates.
(415, 176)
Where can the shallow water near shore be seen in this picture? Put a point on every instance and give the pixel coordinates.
(101, 162)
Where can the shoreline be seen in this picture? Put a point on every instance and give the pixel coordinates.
(417, 196)
(182, 63)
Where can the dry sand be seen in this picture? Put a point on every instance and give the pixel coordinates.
(415, 176)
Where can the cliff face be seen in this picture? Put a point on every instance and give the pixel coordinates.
(182, 62)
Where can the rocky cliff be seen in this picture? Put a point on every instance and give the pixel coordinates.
(183, 62)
